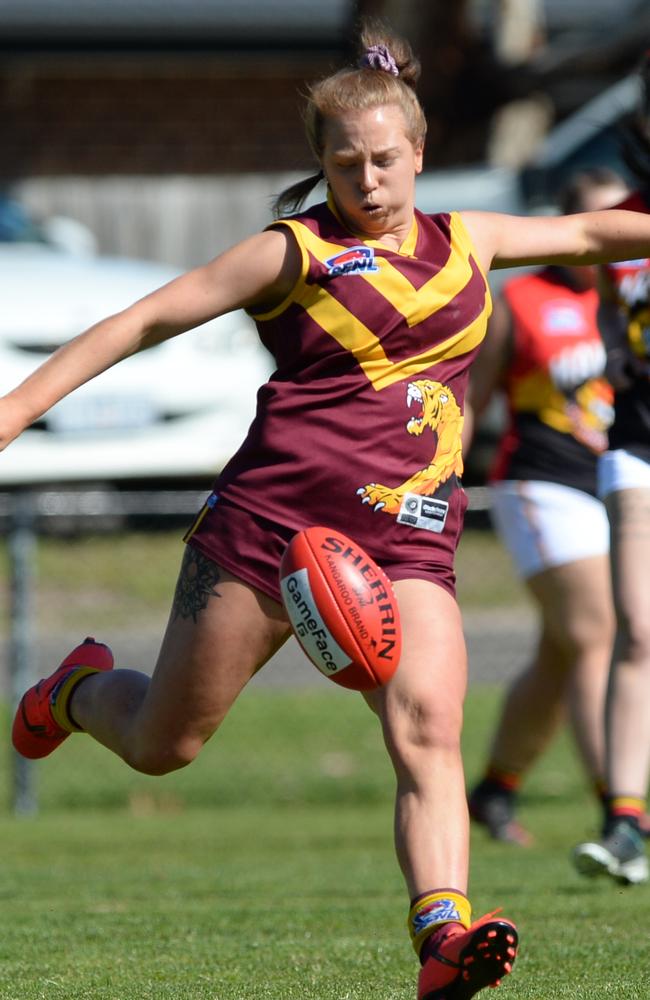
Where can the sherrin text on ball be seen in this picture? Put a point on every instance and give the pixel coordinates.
(342, 608)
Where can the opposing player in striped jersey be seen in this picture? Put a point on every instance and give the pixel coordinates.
(544, 353)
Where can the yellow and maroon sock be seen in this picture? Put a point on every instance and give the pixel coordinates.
(431, 910)
(61, 695)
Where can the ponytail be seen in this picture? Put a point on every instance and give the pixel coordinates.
(292, 198)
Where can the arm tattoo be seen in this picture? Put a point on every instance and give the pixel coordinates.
(197, 582)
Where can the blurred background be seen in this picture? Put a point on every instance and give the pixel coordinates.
(142, 137)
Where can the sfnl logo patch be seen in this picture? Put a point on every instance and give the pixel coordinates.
(354, 260)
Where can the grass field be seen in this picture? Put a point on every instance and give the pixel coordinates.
(266, 870)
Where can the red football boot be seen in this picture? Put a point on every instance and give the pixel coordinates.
(35, 732)
(464, 960)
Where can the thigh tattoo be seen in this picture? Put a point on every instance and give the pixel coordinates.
(197, 582)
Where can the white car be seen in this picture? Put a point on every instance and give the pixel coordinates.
(176, 411)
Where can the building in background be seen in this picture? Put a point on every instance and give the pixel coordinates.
(166, 126)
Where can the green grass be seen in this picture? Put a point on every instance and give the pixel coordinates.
(266, 870)
(485, 575)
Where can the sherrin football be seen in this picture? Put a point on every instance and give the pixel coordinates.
(342, 608)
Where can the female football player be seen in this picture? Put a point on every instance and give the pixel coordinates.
(374, 313)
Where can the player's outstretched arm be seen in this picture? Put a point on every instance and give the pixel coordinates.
(258, 270)
(583, 238)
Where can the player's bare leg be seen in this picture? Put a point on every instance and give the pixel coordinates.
(421, 711)
(220, 632)
(579, 616)
(629, 713)
(569, 671)
(620, 851)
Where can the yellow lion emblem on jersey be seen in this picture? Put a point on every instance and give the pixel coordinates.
(438, 411)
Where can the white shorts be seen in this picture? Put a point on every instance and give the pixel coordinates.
(620, 470)
(546, 524)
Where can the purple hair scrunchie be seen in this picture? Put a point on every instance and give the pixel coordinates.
(379, 57)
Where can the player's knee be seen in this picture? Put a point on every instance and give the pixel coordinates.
(159, 757)
(582, 637)
(633, 640)
(570, 647)
(427, 725)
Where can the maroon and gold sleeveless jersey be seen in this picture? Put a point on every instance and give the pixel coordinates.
(359, 427)
(560, 406)
(631, 279)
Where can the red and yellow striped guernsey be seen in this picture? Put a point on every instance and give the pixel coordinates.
(359, 426)
(559, 402)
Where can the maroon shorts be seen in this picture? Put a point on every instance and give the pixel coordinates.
(250, 547)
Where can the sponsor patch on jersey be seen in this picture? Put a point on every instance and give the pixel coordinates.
(576, 364)
(423, 512)
(352, 260)
(561, 318)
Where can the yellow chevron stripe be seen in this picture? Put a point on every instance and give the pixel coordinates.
(414, 304)
(298, 231)
(418, 304)
(407, 249)
(355, 337)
